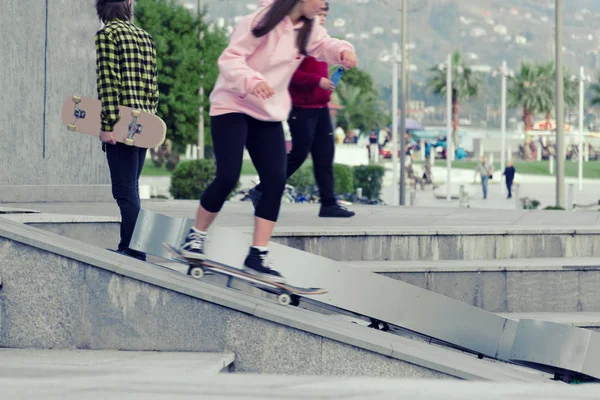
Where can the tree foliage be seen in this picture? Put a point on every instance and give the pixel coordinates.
(180, 51)
(465, 85)
(534, 89)
(363, 108)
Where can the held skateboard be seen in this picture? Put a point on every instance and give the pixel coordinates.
(287, 294)
(135, 127)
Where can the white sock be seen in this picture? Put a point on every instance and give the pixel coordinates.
(198, 231)
(260, 248)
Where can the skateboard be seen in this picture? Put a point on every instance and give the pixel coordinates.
(286, 294)
(135, 127)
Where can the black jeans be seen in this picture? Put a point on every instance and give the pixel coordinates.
(125, 164)
(265, 142)
(312, 131)
(509, 187)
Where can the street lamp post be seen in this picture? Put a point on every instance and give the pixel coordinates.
(404, 77)
(449, 138)
(504, 73)
(560, 106)
(395, 121)
(200, 150)
(580, 147)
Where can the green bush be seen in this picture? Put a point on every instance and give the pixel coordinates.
(191, 178)
(343, 178)
(370, 179)
(303, 179)
(554, 208)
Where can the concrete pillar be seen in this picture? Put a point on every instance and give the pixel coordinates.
(49, 56)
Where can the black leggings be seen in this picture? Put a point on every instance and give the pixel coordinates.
(265, 142)
(312, 132)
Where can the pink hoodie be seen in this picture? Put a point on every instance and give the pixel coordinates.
(248, 60)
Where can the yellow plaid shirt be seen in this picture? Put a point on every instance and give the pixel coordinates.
(126, 70)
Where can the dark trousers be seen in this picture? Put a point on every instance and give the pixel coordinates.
(265, 142)
(125, 164)
(509, 187)
(312, 132)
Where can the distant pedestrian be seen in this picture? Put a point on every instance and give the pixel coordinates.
(485, 171)
(509, 172)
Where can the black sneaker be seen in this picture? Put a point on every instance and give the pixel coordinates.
(130, 253)
(256, 264)
(335, 211)
(193, 247)
(254, 195)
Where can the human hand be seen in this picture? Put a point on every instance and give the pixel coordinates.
(348, 59)
(326, 84)
(107, 137)
(263, 91)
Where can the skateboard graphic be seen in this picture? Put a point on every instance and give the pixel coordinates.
(134, 128)
(286, 294)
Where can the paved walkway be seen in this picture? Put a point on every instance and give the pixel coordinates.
(299, 218)
(541, 188)
(90, 375)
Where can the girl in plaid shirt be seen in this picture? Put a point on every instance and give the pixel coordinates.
(126, 75)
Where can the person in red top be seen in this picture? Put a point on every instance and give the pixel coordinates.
(312, 131)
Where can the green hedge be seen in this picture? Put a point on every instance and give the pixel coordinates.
(370, 179)
(303, 179)
(343, 178)
(191, 178)
(346, 178)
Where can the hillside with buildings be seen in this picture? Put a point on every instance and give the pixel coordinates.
(486, 31)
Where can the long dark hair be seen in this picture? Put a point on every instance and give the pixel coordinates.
(276, 14)
(113, 9)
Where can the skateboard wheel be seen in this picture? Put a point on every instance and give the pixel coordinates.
(77, 99)
(71, 127)
(196, 272)
(136, 113)
(129, 142)
(284, 299)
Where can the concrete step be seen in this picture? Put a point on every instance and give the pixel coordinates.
(28, 362)
(375, 233)
(173, 385)
(60, 293)
(558, 285)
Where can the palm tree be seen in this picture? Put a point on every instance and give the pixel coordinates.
(465, 84)
(362, 110)
(534, 88)
(530, 89)
(570, 92)
(595, 89)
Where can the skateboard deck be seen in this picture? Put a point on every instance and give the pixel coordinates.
(287, 294)
(135, 127)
